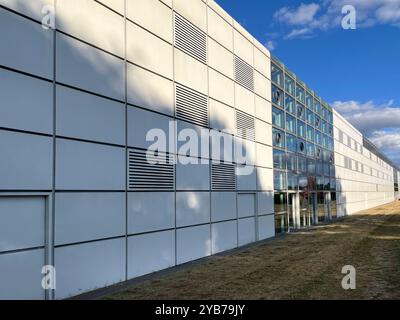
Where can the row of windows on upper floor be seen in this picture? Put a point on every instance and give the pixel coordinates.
(355, 165)
(293, 182)
(299, 164)
(351, 143)
(311, 147)
(294, 90)
(298, 110)
(312, 131)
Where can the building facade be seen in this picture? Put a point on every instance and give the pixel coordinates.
(85, 99)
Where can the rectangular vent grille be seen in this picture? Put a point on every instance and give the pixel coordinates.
(244, 74)
(245, 125)
(191, 106)
(146, 174)
(190, 39)
(223, 177)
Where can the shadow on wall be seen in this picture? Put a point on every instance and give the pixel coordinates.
(82, 66)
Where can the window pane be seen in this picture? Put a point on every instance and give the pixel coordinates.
(278, 117)
(279, 138)
(310, 117)
(292, 182)
(311, 166)
(301, 146)
(318, 107)
(310, 150)
(309, 101)
(289, 103)
(277, 75)
(277, 96)
(303, 183)
(320, 167)
(279, 180)
(327, 183)
(301, 129)
(300, 94)
(302, 164)
(301, 112)
(325, 142)
(291, 143)
(326, 169)
(289, 84)
(318, 122)
(292, 162)
(310, 133)
(318, 137)
(290, 123)
(279, 159)
(324, 127)
(318, 153)
(320, 183)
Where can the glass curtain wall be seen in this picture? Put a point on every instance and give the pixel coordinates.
(303, 152)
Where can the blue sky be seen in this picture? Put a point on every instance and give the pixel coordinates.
(356, 71)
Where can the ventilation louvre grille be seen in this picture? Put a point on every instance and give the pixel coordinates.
(244, 74)
(223, 177)
(245, 125)
(147, 172)
(190, 39)
(191, 106)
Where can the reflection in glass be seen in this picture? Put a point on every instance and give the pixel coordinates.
(277, 75)
(319, 167)
(310, 117)
(277, 96)
(310, 133)
(300, 94)
(301, 146)
(311, 166)
(303, 183)
(279, 180)
(301, 112)
(333, 205)
(278, 117)
(280, 203)
(290, 123)
(301, 129)
(309, 101)
(292, 182)
(318, 122)
(279, 138)
(302, 164)
(317, 107)
(291, 162)
(310, 150)
(291, 143)
(321, 206)
(318, 137)
(289, 104)
(320, 183)
(289, 84)
(327, 183)
(279, 159)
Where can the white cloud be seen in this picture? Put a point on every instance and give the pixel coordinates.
(299, 33)
(380, 123)
(271, 45)
(389, 143)
(369, 117)
(309, 18)
(301, 15)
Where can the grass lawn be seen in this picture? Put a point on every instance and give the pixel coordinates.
(302, 265)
